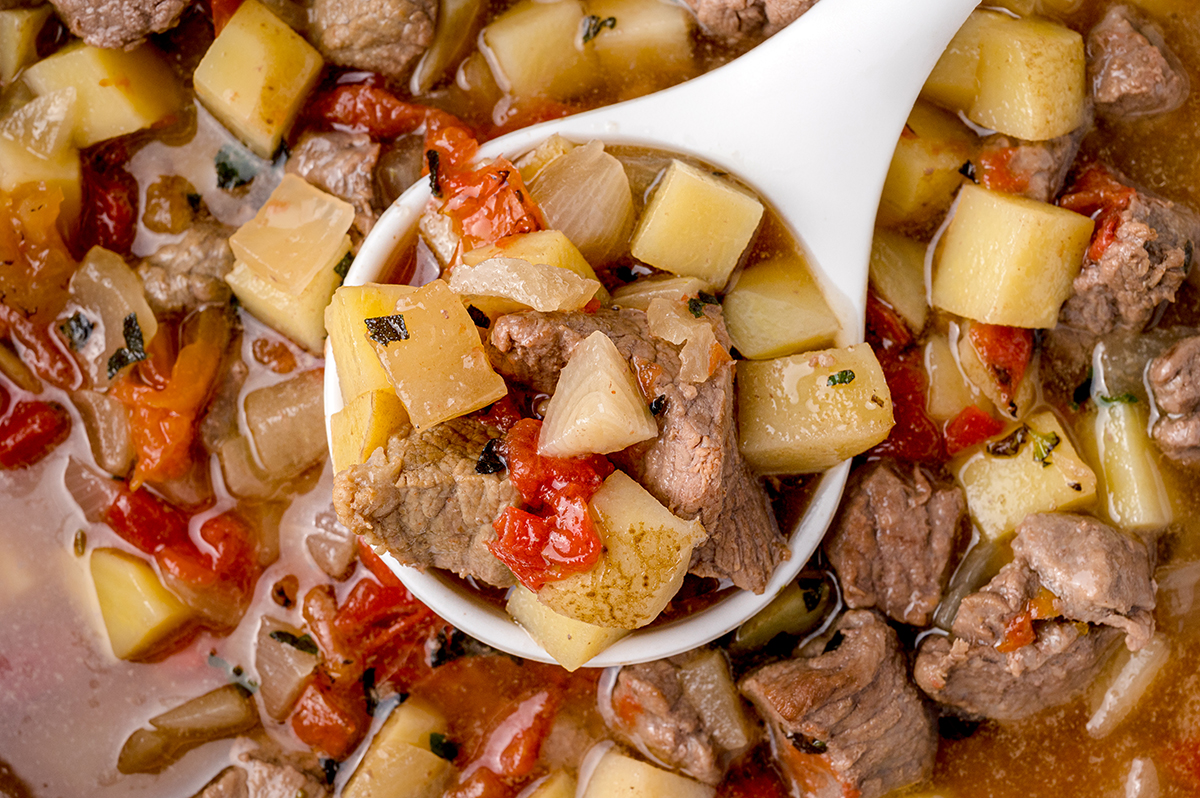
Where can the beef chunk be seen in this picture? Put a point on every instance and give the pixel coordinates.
(385, 36)
(1175, 381)
(118, 23)
(694, 466)
(189, 272)
(855, 702)
(1034, 169)
(342, 164)
(1094, 575)
(894, 540)
(1131, 70)
(741, 21)
(425, 502)
(267, 771)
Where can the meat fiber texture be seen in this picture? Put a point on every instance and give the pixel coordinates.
(183, 275)
(1174, 380)
(385, 36)
(743, 21)
(1103, 586)
(1132, 72)
(693, 466)
(853, 696)
(118, 23)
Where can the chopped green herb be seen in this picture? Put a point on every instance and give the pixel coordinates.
(707, 298)
(1011, 444)
(343, 266)
(77, 330)
(134, 349)
(1123, 399)
(659, 404)
(443, 746)
(435, 184)
(843, 377)
(386, 329)
(193, 200)
(592, 25)
(234, 169)
(696, 307)
(302, 643)
(808, 745)
(479, 317)
(80, 542)
(1043, 444)
(490, 461)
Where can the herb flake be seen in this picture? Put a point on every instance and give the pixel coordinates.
(659, 404)
(80, 543)
(77, 330)
(843, 377)
(490, 460)
(302, 643)
(134, 349)
(435, 180)
(808, 745)
(387, 329)
(1010, 445)
(592, 25)
(1043, 444)
(343, 266)
(234, 169)
(1123, 399)
(443, 746)
(479, 317)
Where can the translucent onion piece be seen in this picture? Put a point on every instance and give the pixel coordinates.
(283, 668)
(107, 423)
(701, 353)
(437, 232)
(287, 423)
(456, 22)
(1178, 597)
(640, 293)
(1128, 687)
(585, 194)
(536, 285)
(333, 547)
(224, 712)
(707, 684)
(597, 406)
(1142, 781)
(91, 491)
(108, 290)
(150, 751)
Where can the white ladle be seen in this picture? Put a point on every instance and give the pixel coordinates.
(809, 120)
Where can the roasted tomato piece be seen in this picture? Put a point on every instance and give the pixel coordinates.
(30, 431)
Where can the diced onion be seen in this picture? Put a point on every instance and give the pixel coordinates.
(1179, 595)
(585, 194)
(982, 561)
(92, 492)
(283, 668)
(107, 423)
(708, 686)
(1128, 687)
(640, 293)
(287, 424)
(701, 353)
(536, 285)
(456, 21)
(219, 713)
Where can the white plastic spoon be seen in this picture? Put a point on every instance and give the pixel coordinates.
(809, 120)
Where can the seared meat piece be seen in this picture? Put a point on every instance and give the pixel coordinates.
(118, 23)
(694, 466)
(425, 502)
(342, 164)
(894, 539)
(190, 272)
(1034, 169)
(268, 772)
(854, 701)
(1131, 70)
(1093, 574)
(1175, 381)
(385, 36)
(738, 21)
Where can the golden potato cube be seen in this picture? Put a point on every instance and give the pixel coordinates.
(411, 723)
(777, 309)
(619, 776)
(572, 643)
(435, 360)
(550, 247)
(358, 366)
(364, 425)
(1002, 489)
(953, 83)
(19, 28)
(696, 225)
(256, 75)
(1134, 494)
(1032, 80)
(300, 317)
(646, 554)
(534, 50)
(1009, 260)
(559, 784)
(139, 613)
(897, 273)
(646, 38)
(924, 172)
(19, 166)
(399, 770)
(117, 91)
(806, 413)
(45, 125)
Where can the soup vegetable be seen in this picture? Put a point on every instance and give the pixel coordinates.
(1003, 606)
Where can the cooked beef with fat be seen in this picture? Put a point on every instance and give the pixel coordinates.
(342, 164)
(268, 771)
(384, 36)
(852, 701)
(894, 540)
(423, 499)
(118, 23)
(694, 466)
(738, 21)
(1174, 380)
(190, 272)
(1034, 169)
(1131, 70)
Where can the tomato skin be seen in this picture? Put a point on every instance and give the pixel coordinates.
(971, 426)
(108, 217)
(330, 717)
(489, 203)
(222, 12)
(1018, 633)
(30, 431)
(994, 171)
(1006, 352)
(1096, 192)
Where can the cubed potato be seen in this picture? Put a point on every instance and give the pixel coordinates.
(139, 614)
(778, 309)
(399, 770)
(550, 247)
(19, 166)
(300, 317)
(537, 159)
(1032, 80)
(572, 643)
(530, 285)
(436, 361)
(299, 231)
(696, 225)
(359, 369)
(1013, 402)
(648, 40)
(1002, 489)
(19, 28)
(1009, 260)
(953, 83)
(559, 784)
(806, 413)
(364, 425)
(117, 91)
(924, 172)
(619, 776)
(108, 291)
(897, 273)
(949, 393)
(640, 293)
(256, 75)
(534, 50)
(45, 125)
(646, 554)
(1133, 493)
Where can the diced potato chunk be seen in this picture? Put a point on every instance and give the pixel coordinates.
(1032, 80)
(620, 776)
(1002, 489)
(534, 50)
(678, 323)
(646, 554)
(399, 762)
(550, 247)
(696, 225)
(364, 425)
(897, 273)
(1134, 494)
(117, 91)
(806, 413)
(953, 82)
(572, 643)
(1009, 260)
(19, 166)
(532, 285)
(359, 369)
(646, 39)
(297, 232)
(139, 613)
(924, 172)
(19, 28)
(777, 309)
(438, 366)
(256, 75)
(640, 293)
(45, 125)
(108, 290)
(300, 317)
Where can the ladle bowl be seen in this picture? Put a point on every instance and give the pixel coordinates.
(808, 120)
